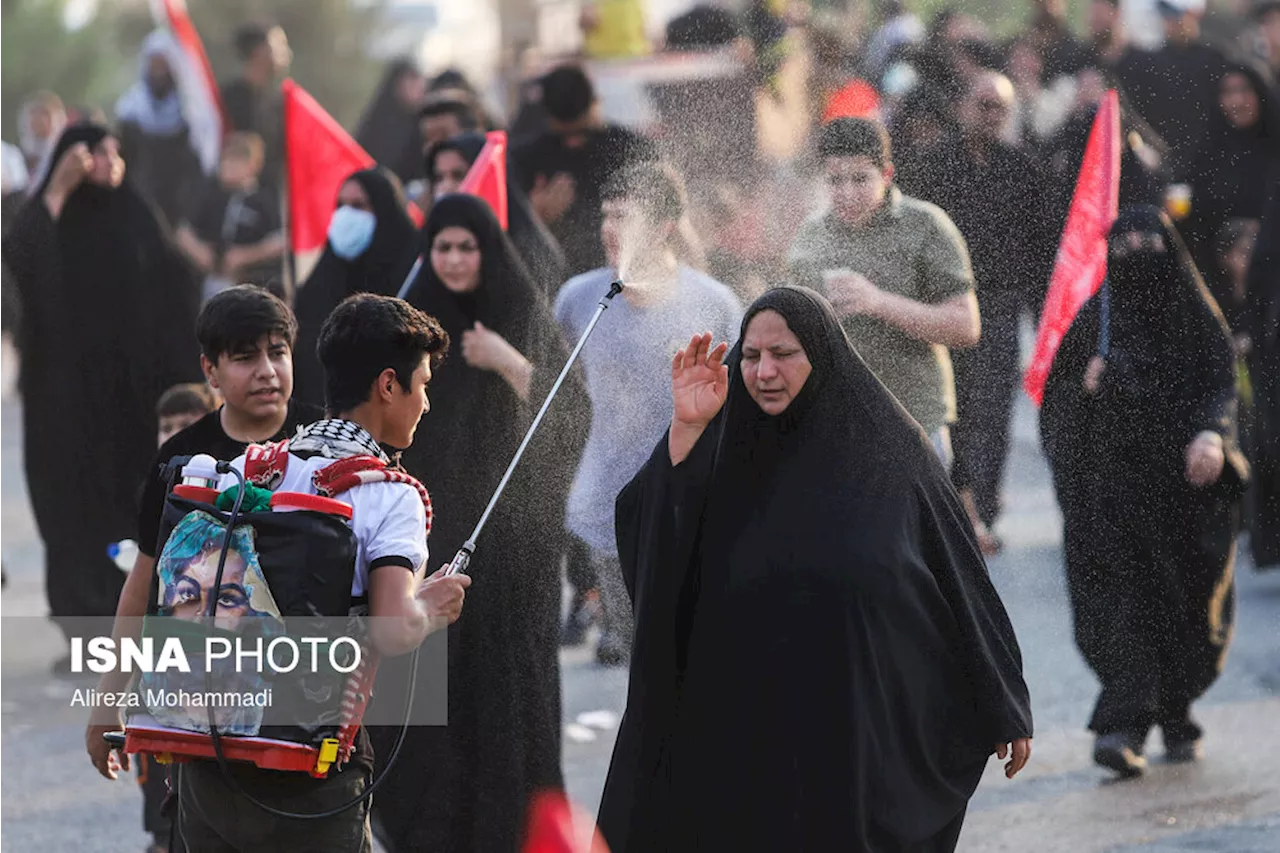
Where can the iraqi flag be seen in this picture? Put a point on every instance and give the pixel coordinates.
(1082, 254)
(201, 100)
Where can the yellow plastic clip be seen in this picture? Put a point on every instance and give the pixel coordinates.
(328, 755)
(163, 757)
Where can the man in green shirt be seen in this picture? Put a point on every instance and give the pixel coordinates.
(897, 271)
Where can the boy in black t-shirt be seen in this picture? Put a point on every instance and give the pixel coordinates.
(378, 354)
(246, 341)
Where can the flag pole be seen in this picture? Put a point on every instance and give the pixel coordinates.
(286, 267)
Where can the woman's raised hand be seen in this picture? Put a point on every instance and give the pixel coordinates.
(699, 381)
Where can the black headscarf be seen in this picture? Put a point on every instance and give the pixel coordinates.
(477, 420)
(379, 269)
(1159, 306)
(389, 130)
(537, 247)
(823, 553)
(1170, 373)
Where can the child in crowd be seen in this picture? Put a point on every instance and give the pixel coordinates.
(181, 406)
(234, 233)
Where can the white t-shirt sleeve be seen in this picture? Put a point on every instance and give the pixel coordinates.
(392, 524)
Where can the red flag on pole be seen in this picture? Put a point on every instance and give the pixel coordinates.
(1082, 254)
(197, 87)
(319, 155)
(487, 177)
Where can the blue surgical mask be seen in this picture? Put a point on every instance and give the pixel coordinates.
(351, 232)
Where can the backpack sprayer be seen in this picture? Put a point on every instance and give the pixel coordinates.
(288, 755)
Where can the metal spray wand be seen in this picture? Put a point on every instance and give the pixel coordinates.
(463, 558)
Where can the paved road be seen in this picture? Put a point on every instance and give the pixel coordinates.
(1229, 802)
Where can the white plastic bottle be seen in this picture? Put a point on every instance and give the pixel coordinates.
(124, 553)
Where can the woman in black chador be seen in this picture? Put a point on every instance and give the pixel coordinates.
(821, 661)
(466, 786)
(1138, 423)
(108, 323)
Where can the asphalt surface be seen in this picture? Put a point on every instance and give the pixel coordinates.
(53, 800)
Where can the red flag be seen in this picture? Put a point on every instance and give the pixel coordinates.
(198, 88)
(415, 213)
(558, 826)
(320, 155)
(487, 177)
(855, 100)
(1082, 254)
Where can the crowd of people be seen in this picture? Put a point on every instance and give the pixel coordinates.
(874, 291)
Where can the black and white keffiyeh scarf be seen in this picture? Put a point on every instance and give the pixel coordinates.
(335, 438)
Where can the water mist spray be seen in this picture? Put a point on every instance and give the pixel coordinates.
(463, 558)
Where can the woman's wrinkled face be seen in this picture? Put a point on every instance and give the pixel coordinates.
(774, 364)
(1239, 101)
(448, 172)
(455, 256)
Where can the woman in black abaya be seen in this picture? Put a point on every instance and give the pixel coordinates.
(359, 256)
(446, 165)
(821, 661)
(389, 128)
(1232, 175)
(466, 786)
(1138, 422)
(1263, 311)
(108, 323)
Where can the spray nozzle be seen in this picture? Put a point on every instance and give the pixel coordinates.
(614, 289)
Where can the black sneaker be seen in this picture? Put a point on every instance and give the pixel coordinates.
(1121, 752)
(1182, 742)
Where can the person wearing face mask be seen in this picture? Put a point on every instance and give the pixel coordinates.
(371, 247)
(155, 137)
(446, 165)
(502, 743)
(821, 660)
(1139, 425)
(108, 318)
